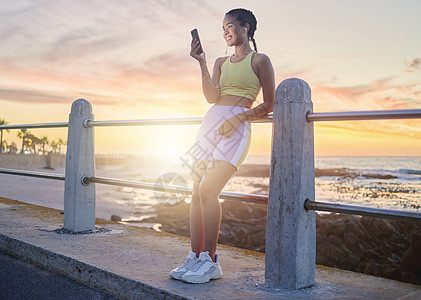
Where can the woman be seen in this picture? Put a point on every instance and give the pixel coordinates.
(224, 136)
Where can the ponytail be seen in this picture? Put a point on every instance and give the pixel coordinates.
(254, 44)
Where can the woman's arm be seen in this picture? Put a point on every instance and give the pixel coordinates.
(266, 76)
(210, 84)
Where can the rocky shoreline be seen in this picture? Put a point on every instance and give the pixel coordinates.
(380, 247)
(251, 170)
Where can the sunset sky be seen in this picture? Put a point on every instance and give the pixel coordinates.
(131, 60)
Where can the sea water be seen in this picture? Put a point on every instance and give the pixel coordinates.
(363, 184)
(401, 188)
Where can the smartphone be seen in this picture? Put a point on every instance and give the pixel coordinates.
(195, 35)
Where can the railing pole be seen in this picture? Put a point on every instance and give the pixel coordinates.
(79, 199)
(291, 230)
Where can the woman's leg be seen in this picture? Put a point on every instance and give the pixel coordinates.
(196, 224)
(214, 180)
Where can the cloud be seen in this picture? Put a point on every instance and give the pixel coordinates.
(382, 94)
(8, 33)
(403, 127)
(350, 94)
(17, 7)
(78, 48)
(379, 94)
(166, 77)
(136, 53)
(414, 64)
(166, 68)
(122, 53)
(36, 96)
(31, 96)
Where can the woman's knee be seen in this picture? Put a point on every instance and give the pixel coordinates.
(207, 192)
(195, 193)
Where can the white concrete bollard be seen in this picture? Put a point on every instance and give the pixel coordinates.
(79, 199)
(291, 230)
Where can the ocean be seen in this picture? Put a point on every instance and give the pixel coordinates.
(381, 182)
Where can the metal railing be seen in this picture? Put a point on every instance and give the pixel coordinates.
(363, 211)
(35, 126)
(176, 190)
(291, 219)
(89, 123)
(365, 115)
(136, 184)
(150, 122)
(359, 116)
(33, 174)
(141, 122)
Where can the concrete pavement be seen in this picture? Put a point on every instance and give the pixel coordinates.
(22, 280)
(133, 263)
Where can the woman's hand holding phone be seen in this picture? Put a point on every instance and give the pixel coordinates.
(196, 50)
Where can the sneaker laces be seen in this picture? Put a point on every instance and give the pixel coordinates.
(198, 265)
(186, 263)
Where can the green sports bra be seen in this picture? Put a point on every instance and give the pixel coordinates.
(239, 78)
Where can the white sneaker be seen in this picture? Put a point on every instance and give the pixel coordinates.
(204, 269)
(184, 267)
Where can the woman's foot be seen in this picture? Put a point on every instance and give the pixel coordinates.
(204, 269)
(178, 272)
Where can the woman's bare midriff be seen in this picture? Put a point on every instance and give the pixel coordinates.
(231, 100)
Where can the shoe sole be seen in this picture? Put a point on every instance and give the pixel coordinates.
(177, 277)
(203, 279)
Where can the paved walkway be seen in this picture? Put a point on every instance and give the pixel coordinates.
(22, 280)
(133, 263)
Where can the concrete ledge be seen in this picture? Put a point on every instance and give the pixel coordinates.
(91, 276)
(133, 263)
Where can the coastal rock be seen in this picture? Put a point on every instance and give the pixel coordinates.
(115, 218)
(411, 260)
(380, 247)
(378, 176)
(250, 170)
(335, 172)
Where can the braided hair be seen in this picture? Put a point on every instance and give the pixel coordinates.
(246, 16)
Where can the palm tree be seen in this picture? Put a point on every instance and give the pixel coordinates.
(37, 141)
(54, 146)
(60, 142)
(12, 148)
(33, 141)
(2, 122)
(44, 141)
(23, 134)
(29, 140)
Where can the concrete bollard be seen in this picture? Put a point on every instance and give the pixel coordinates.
(79, 199)
(291, 230)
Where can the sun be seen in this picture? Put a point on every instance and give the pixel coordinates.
(170, 150)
